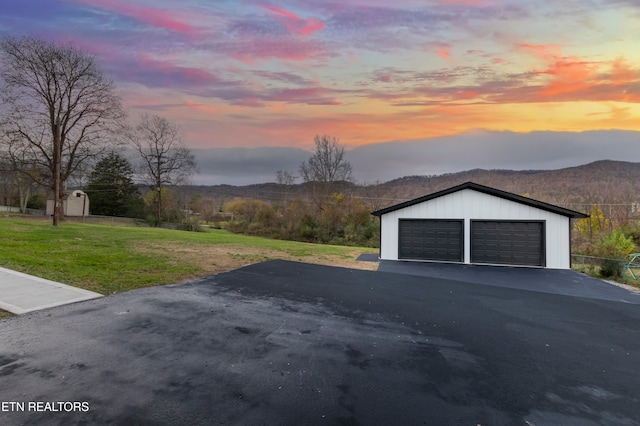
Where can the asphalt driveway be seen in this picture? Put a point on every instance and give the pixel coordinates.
(553, 281)
(284, 343)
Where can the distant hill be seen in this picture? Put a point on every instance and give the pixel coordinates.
(598, 182)
(602, 182)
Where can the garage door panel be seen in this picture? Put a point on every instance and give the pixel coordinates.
(430, 239)
(507, 242)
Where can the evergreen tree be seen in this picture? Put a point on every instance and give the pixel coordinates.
(111, 189)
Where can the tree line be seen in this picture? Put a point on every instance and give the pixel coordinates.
(61, 118)
(60, 115)
(329, 210)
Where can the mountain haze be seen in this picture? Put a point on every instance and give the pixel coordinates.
(600, 182)
(381, 162)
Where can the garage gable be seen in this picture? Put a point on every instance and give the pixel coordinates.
(486, 190)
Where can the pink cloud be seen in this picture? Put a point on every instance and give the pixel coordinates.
(208, 109)
(148, 15)
(296, 24)
(157, 73)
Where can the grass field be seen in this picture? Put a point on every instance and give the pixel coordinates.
(112, 259)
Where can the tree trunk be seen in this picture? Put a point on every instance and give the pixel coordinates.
(24, 198)
(58, 211)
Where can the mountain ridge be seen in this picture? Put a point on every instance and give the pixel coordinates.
(598, 182)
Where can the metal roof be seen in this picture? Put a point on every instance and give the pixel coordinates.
(490, 191)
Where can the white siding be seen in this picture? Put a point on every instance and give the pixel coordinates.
(469, 204)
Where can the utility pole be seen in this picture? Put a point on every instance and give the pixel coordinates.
(57, 153)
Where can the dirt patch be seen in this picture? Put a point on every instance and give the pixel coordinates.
(213, 259)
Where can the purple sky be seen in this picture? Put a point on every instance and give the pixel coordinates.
(249, 76)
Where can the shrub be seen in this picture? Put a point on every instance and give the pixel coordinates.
(191, 224)
(611, 268)
(37, 201)
(615, 247)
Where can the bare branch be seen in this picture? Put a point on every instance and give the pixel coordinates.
(326, 169)
(164, 160)
(45, 83)
(327, 164)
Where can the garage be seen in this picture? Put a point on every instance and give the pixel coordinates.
(507, 242)
(477, 224)
(430, 239)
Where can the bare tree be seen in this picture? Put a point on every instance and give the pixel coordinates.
(327, 164)
(58, 109)
(326, 169)
(7, 182)
(19, 175)
(285, 181)
(164, 160)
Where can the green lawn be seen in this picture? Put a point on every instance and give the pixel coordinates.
(111, 259)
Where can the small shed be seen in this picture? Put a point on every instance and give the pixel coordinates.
(472, 223)
(76, 204)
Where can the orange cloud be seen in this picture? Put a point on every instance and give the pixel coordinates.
(569, 75)
(621, 72)
(201, 107)
(545, 52)
(572, 78)
(444, 52)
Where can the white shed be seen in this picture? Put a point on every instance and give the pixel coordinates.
(472, 223)
(76, 204)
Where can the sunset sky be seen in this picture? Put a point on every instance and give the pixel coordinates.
(260, 74)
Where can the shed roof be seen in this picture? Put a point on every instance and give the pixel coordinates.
(490, 191)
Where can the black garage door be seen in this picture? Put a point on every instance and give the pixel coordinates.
(429, 239)
(509, 243)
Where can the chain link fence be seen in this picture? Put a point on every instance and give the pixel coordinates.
(605, 267)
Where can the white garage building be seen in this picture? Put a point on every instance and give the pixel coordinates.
(472, 223)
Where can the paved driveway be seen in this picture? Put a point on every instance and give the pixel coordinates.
(283, 343)
(554, 281)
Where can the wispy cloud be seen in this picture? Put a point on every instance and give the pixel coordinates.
(296, 24)
(281, 76)
(266, 48)
(261, 72)
(149, 15)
